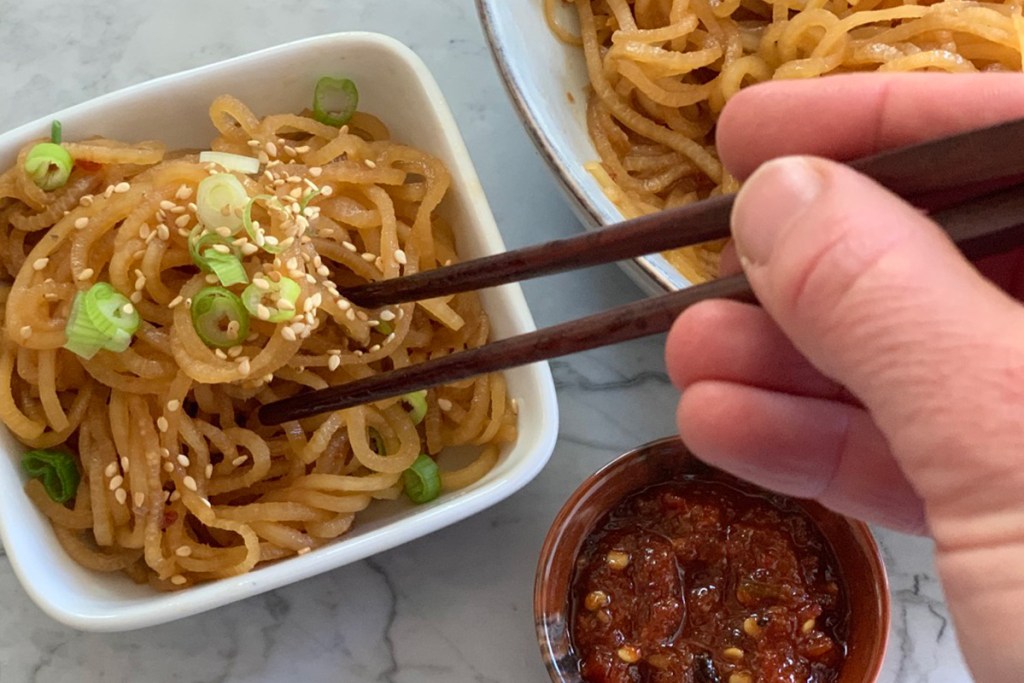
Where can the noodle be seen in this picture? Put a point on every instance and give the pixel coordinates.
(179, 481)
(662, 70)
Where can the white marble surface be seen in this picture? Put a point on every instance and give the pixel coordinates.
(455, 606)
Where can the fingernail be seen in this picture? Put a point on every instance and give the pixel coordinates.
(776, 194)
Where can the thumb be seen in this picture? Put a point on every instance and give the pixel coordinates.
(876, 296)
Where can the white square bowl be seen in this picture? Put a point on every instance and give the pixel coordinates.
(395, 85)
(547, 81)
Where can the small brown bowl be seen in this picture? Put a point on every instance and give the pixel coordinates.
(860, 565)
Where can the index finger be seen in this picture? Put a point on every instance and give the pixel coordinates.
(843, 117)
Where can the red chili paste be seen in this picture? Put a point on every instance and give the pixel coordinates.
(708, 580)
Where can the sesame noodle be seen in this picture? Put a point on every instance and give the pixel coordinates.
(179, 481)
(662, 70)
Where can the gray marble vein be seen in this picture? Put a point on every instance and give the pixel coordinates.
(454, 606)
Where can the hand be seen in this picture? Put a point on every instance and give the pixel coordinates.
(884, 375)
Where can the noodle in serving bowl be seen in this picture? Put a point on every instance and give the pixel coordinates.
(178, 485)
(646, 79)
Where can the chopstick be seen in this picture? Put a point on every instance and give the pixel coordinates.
(930, 175)
(983, 226)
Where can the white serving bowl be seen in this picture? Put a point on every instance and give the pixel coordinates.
(548, 83)
(395, 84)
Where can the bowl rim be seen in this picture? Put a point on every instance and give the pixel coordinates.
(652, 272)
(160, 607)
(550, 630)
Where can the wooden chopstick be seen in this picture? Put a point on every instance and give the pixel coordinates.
(929, 174)
(980, 227)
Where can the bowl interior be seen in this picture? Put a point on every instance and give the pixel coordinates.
(863, 573)
(395, 85)
(547, 81)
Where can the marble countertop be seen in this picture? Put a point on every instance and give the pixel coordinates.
(454, 606)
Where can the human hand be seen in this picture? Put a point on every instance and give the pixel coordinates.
(884, 375)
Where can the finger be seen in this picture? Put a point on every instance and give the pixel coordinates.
(800, 446)
(856, 115)
(877, 297)
(734, 342)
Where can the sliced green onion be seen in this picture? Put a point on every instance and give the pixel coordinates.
(334, 101)
(220, 200)
(101, 318)
(259, 236)
(57, 471)
(385, 327)
(285, 289)
(48, 165)
(219, 317)
(231, 162)
(422, 480)
(307, 198)
(227, 266)
(417, 402)
(56, 132)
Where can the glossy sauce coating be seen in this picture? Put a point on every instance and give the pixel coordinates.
(707, 580)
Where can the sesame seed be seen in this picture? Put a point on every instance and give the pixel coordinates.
(373, 349)
(244, 366)
(175, 301)
(369, 258)
(120, 496)
(220, 354)
(110, 470)
(163, 232)
(125, 463)
(175, 495)
(183, 460)
(108, 192)
(333, 363)
(167, 204)
(81, 222)
(239, 460)
(234, 351)
(115, 482)
(161, 423)
(271, 149)
(369, 163)
(263, 158)
(289, 150)
(288, 333)
(183, 551)
(515, 406)
(190, 483)
(285, 305)
(223, 231)
(295, 193)
(40, 263)
(387, 315)
(184, 192)
(209, 471)
(348, 245)
(178, 580)
(128, 309)
(182, 220)
(362, 316)
(444, 404)
(315, 171)
(212, 279)
(86, 274)
(86, 200)
(253, 143)
(350, 314)
(168, 467)
(173, 405)
(303, 551)
(400, 257)
(139, 498)
(122, 187)
(136, 297)
(327, 190)
(26, 331)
